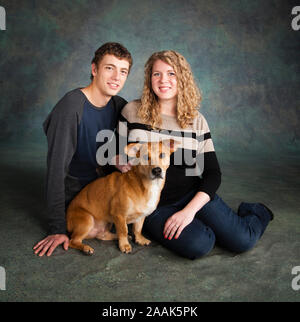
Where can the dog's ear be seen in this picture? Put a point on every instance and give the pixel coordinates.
(171, 144)
(133, 150)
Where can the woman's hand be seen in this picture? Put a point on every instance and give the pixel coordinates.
(124, 168)
(119, 164)
(177, 222)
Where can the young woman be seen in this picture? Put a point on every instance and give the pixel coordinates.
(190, 216)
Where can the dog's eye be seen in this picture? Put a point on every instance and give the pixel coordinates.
(162, 155)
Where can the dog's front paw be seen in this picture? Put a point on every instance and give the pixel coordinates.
(141, 240)
(125, 247)
(88, 250)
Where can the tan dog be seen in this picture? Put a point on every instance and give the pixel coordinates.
(121, 198)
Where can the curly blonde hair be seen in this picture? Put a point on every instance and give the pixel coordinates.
(188, 98)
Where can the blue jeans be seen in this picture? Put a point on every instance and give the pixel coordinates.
(215, 222)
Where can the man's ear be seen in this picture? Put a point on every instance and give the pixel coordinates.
(133, 150)
(94, 69)
(171, 144)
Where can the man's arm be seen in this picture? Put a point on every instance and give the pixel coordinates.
(61, 130)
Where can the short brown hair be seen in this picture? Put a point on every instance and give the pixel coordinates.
(111, 48)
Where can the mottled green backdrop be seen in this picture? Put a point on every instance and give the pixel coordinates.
(244, 54)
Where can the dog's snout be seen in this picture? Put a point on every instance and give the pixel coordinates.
(156, 171)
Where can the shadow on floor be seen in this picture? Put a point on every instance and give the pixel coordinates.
(24, 187)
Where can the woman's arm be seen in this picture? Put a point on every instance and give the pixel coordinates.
(209, 183)
(177, 222)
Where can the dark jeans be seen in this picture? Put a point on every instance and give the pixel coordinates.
(214, 222)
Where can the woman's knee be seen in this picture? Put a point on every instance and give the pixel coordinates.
(195, 241)
(241, 244)
(200, 245)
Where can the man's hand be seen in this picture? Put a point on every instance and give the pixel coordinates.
(50, 243)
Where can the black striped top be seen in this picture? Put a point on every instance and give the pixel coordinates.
(193, 166)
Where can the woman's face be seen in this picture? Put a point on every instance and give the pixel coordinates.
(164, 81)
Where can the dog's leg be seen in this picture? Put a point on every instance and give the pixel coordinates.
(105, 233)
(82, 224)
(137, 230)
(108, 236)
(122, 232)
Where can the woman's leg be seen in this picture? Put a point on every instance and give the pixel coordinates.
(196, 239)
(237, 233)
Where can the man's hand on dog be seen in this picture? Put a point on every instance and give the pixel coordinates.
(49, 243)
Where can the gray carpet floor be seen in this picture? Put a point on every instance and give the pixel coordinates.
(151, 273)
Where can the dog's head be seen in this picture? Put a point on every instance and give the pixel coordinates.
(153, 158)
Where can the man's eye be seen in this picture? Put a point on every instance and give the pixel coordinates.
(162, 155)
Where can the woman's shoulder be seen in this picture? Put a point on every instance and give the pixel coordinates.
(130, 110)
(200, 123)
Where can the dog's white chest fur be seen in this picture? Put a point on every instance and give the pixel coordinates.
(144, 206)
(154, 197)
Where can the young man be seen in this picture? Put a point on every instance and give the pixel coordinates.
(71, 129)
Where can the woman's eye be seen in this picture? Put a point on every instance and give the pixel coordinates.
(162, 155)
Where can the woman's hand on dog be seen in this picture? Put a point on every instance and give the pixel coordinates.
(49, 243)
(176, 223)
(119, 164)
(124, 168)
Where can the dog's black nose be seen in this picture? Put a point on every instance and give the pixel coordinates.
(156, 171)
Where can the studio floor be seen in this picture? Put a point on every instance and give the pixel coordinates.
(151, 273)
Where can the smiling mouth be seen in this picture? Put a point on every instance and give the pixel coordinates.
(164, 89)
(113, 86)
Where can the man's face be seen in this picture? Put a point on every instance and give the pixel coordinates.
(110, 75)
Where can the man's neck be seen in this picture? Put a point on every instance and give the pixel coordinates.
(95, 96)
